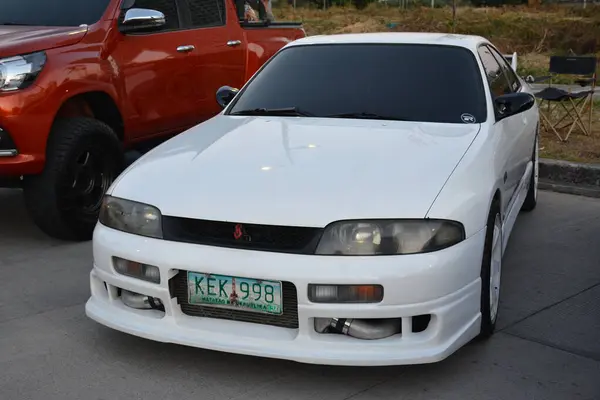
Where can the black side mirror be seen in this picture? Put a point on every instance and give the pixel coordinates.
(141, 19)
(225, 94)
(512, 104)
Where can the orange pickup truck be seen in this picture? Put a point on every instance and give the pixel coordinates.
(81, 82)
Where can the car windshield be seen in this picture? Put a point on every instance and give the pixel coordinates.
(51, 12)
(407, 82)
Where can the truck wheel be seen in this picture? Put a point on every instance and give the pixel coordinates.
(83, 158)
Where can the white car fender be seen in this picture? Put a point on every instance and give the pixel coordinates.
(469, 191)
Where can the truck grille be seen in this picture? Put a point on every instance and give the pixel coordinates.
(283, 239)
(178, 286)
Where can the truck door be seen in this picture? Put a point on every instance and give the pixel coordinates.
(157, 70)
(220, 51)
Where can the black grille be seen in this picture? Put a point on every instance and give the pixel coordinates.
(284, 239)
(178, 286)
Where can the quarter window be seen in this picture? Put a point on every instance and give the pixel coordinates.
(508, 71)
(495, 75)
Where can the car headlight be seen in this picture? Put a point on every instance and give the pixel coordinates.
(389, 237)
(131, 217)
(19, 72)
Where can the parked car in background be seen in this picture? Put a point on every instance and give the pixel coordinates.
(82, 81)
(359, 214)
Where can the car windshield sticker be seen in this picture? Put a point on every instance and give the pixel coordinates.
(467, 118)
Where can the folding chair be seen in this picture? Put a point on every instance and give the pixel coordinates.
(562, 105)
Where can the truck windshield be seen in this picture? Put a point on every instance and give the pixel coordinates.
(51, 12)
(407, 82)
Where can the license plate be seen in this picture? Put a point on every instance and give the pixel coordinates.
(234, 293)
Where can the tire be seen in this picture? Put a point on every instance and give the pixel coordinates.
(531, 199)
(83, 158)
(491, 267)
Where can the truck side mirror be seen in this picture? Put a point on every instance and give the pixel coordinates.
(142, 19)
(225, 94)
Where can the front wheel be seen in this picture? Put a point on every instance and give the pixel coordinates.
(491, 271)
(83, 158)
(531, 199)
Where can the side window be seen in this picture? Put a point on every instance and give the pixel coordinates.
(167, 7)
(513, 81)
(495, 76)
(207, 13)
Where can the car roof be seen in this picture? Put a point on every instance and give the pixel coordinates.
(433, 38)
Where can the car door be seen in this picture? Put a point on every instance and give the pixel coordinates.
(157, 69)
(528, 126)
(508, 130)
(220, 56)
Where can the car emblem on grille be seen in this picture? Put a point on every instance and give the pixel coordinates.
(239, 232)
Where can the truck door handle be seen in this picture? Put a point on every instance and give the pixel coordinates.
(185, 49)
(233, 43)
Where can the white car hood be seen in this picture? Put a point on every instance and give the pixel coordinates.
(298, 171)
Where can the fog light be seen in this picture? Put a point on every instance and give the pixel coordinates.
(7, 145)
(138, 270)
(345, 293)
(140, 301)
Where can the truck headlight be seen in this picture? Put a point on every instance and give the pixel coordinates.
(131, 217)
(389, 237)
(20, 72)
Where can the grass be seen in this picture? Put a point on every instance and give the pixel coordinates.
(578, 148)
(534, 33)
(521, 29)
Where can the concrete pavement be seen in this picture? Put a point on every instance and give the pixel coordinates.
(548, 346)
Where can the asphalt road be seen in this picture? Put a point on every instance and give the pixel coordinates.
(548, 346)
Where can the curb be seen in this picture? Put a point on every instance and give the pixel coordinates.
(569, 189)
(569, 177)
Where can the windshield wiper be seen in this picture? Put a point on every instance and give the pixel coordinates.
(295, 111)
(365, 115)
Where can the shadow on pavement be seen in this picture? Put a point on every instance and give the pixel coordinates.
(18, 234)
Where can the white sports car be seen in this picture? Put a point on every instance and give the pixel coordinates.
(350, 206)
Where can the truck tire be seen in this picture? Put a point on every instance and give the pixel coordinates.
(83, 158)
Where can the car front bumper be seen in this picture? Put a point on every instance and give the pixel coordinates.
(444, 284)
(26, 117)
